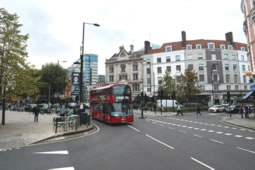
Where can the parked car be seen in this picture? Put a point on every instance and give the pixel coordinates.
(30, 107)
(44, 108)
(216, 109)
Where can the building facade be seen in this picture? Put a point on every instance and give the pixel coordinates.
(248, 9)
(126, 66)
(221, 66)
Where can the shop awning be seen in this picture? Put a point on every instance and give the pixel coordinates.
(248, 95)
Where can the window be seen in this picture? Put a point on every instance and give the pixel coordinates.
(148, 90)
(188, 47)
(159, 70)
(198, 46)
(178, 68)
(230, 47)
(249, 69)
(200, 57)
(148, 80)
(177, 58)
(244, 79)
(168, 59)
(189, 57)
(213, 56)
(242, 57)
(159, 80)
(227, 67)
(178, 78)
(123, 67)
(158, 60)
(111, 79)
(135, 76)
(242, 48)
(201, 78)
(215, 77)
(227, 78)
(190, 66)
(168, 68)
(235, 78)
(234, 67)
(245, 58)
(210, 45)
(225, 57)
(201, 67)
(135, 67)
(214, 67)
(228, 87)
(168, 48)
(216, 87)
(136, 87)
(243, 68)
(233, 57)
(236, 87)
(148, 71)
(202, 87)
(222, 46)
(245, 87)
(111, 69)
(123, 77)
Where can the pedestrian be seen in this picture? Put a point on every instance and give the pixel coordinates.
(241, 111)
(36, 113)
(179, 110)
(246, 113)
(198, 110)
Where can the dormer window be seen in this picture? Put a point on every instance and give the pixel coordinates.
(210, 45)
(188, 47)
(242, 48)
(198, 46)
(168, 48)
(222, 46)
(230, 47)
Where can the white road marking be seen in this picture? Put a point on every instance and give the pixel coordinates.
(233, 128)
(190, 127)
(159, 141)
(219, 132)
(207, 166)
(250, 138)
(65, 168)
(242, 129)
(134, 128)
(53, 152)
(246, 150)
(219, 126)
(210, 130)
(251, 130)
(203, 129)
(197, 135)
(196, 128)
(213, 140)
(238, 136)
(228, 134)
(182, 131)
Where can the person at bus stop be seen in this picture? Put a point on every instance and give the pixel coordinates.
(179, 110)
(198, 110)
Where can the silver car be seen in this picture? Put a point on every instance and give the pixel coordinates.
(216, 109)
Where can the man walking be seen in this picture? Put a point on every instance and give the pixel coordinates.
(179, 110)
(198, 110)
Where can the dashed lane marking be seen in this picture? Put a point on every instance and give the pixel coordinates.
(247, 150)
(197, 135)
(64, 152)
(134, 128)
(159, 141)
(65, 168)
(207, 166)
(213, 140)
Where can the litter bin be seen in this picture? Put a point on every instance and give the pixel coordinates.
(83, 118)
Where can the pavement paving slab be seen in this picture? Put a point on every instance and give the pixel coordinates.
(20, 130)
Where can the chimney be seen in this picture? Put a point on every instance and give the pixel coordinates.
(147, 47)
(229, 37)
(183, 39)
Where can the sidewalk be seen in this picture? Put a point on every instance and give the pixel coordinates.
(234, 120)
(20, 130)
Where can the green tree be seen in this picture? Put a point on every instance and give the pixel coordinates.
(55, 76)
(15, 73)
(188, 86)
(168, 86)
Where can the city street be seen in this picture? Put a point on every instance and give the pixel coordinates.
(155, 142)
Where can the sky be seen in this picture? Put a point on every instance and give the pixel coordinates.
(55, 26)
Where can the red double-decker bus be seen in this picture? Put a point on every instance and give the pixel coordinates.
(112, 104)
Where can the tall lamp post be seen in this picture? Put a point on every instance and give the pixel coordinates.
(58, 78)
(81, 57)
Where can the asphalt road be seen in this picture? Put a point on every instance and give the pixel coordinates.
(153, 143)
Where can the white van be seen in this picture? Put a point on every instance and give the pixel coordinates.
(167, 103)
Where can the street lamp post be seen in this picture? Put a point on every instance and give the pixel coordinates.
(81, 57)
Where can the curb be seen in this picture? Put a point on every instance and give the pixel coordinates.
(224, 121)
(65, 134)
